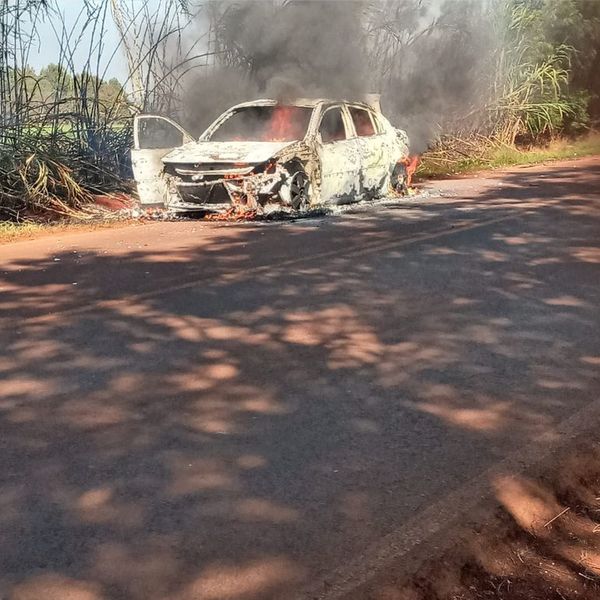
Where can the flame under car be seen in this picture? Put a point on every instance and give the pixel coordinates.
(298, 155)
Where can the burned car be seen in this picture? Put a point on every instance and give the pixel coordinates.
(297, 154)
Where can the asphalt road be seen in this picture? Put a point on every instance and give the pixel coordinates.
(241, 412)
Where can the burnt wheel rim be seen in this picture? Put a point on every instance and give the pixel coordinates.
(399, 179)
(299, 190)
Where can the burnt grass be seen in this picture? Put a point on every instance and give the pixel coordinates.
(542, 543)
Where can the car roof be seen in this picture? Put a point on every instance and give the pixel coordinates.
(301, 102)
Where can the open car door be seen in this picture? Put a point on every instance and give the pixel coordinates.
(153, 138)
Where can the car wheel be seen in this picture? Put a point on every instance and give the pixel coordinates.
(398, 179)
(300, 190)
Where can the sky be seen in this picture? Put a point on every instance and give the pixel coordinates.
(51, 34)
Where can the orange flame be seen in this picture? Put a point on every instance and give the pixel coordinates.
(411, 163)
(283, 126)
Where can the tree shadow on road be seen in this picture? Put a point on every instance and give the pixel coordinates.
(286, 397)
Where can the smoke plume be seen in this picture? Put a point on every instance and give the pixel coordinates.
(424, 56)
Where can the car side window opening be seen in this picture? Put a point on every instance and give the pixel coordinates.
(157, 133)
(332, 127)
(362, 122)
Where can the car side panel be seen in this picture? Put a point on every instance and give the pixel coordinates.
(375, 161)
(341, 167)
(379, 154)
(341, 170)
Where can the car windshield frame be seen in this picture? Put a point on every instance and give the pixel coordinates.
(277, 123)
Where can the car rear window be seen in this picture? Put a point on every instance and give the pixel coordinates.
(278, 123)
(362, 122)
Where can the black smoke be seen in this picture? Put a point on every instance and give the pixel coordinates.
(427, 58)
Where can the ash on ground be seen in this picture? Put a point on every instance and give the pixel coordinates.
(271, 212)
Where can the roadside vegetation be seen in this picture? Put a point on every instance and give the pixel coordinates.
(66, 129)
(477, 85)
(464, 156)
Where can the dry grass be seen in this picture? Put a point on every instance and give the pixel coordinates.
(29, 230)
(460, 157)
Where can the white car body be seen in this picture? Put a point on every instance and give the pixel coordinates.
(348, 151)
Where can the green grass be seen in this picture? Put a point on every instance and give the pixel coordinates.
(435, 165)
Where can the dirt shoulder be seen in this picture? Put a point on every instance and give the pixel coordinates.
(12, 232)
(541, 542)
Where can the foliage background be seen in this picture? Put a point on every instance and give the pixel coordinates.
(459, 75)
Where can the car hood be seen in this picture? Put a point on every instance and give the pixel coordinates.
(220, 152)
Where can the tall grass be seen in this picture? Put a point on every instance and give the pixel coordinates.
(60, 145)
(57, 148)
(528, 103)
(530, 79)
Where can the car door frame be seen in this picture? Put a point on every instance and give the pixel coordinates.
(375, 153)
(340, 161)
(147, 163)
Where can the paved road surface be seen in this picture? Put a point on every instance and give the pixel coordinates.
(198, 411)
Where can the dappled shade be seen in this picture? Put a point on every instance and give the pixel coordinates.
(237, 413)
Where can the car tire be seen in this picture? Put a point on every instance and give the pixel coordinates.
(298, 187)
(398, 179)
(300, 190)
